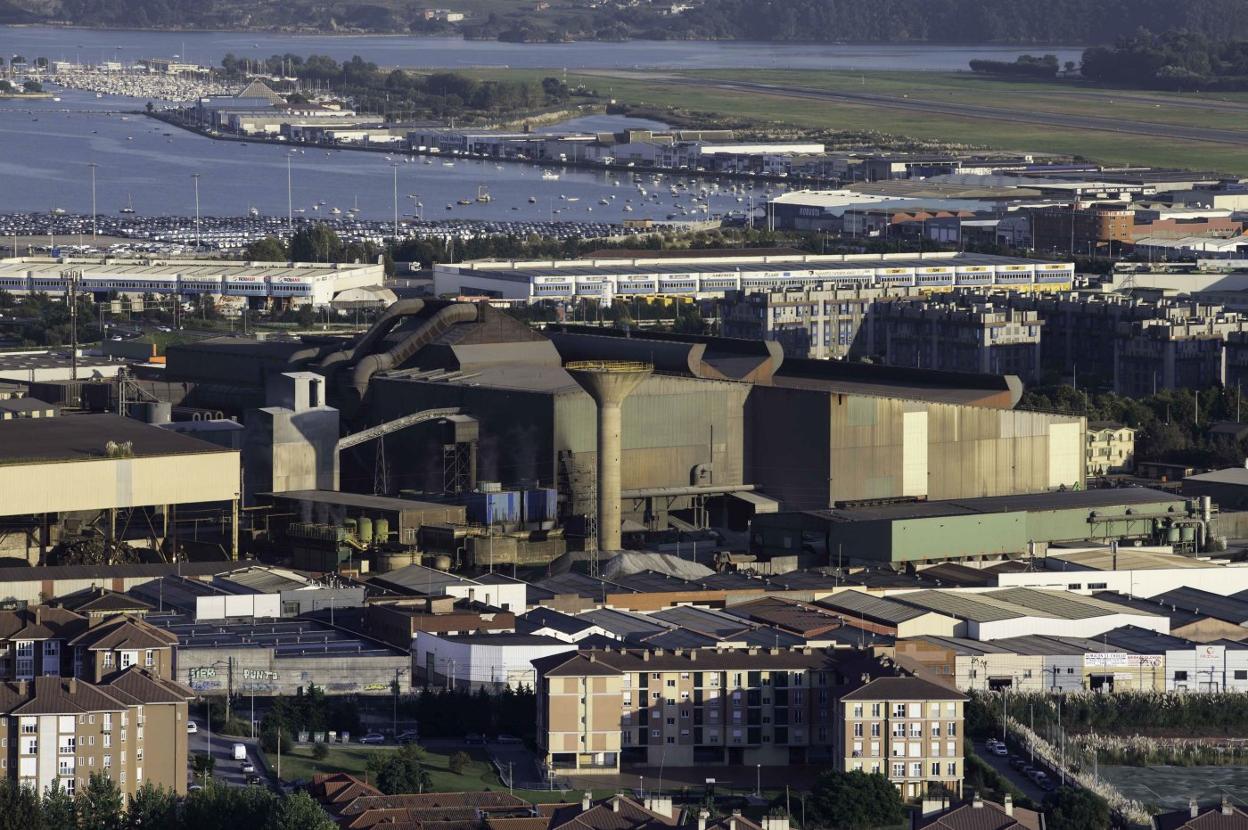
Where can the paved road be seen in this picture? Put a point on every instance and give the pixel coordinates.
(1002, 765)
(226, 770)
(995, 113)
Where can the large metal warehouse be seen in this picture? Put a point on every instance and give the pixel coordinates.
(916, 532)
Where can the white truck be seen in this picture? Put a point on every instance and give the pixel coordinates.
(240, 752)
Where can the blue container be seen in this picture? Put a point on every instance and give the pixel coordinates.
(540, 504)
(494, 508)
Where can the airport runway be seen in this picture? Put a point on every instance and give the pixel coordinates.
(1001, 114)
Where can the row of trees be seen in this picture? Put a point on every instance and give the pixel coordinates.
(1026, 66)
(452, 714)
(99, 806)
(1173, 60)
(1202, 715)
(1170, 426)
(407, 94)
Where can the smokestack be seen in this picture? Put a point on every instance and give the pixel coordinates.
(609, 382)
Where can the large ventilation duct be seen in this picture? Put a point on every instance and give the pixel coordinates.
(387, 321)
(443, 319)
(609, 382)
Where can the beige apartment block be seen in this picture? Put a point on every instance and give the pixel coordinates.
(599, 709)
(908, 729)
(132, 729)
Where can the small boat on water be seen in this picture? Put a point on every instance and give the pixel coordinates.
(532, 200)
(550, 176)
(129, 208)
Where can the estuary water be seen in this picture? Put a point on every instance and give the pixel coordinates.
(94, 45)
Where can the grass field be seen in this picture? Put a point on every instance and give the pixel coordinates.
(653, 89)
(478, 775)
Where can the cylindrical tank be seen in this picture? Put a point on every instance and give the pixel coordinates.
(366, 530)
(442, 562)
(351, 527)
(381, 531)
(1189, 533)
(1172, 534)
(393, 560)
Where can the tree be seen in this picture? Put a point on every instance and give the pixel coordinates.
(301, 812)
(398, 772)
(202, 764)
(32, 86)
(58, 806)
(458, 762)
(99, 804)
(853, 801)
(152, 807)
(1074, 808)
(320, 751)
(318, 243)
(269, 249)
(19, 807)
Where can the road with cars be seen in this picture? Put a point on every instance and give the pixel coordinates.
(226, 769)
(1014, 764)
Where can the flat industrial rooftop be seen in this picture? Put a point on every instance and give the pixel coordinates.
(51, 268)
(83, 437)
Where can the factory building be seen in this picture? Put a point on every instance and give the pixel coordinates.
(296, 283)
(705, 277)
(59, 474)
(992, 527)
(1016, 612)
(280, 657)
(715, 432)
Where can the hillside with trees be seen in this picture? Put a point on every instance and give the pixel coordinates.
(880, 21)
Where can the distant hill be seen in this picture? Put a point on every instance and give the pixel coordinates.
(1070, 22)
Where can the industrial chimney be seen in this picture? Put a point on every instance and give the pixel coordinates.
(609, 382)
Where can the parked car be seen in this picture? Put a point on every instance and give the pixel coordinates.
(507, 739)
(373, 738)
(1001, 750)
(1018, 762)
(194, 788)
(248, 767)
(191, 727)
(409, 736)
(474, 738)
(1047, 784)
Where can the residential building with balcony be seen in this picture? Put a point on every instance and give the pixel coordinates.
(1111, 448)
(907, 729)
(131, 729)
(601, 708)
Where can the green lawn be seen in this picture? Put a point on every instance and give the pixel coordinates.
(778, 111)
(478, 775)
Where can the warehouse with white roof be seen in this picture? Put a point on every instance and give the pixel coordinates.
(710, 277)
(300, 283)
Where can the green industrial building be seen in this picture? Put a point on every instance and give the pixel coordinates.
(920, 532)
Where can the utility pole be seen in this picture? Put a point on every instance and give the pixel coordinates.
(72, 275)
(396, 203)
(195, 177)
(290, 205)
(94, 228)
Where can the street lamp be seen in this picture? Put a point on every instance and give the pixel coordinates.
(195, 177)
(94, 229)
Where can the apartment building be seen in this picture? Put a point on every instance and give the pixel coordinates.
(908, 729)
(1083, 231)
(132, 729)
(46, 641)
(600, 708)
(819, 323)
(1110, 448)
(958, 337)
(1133, 346)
